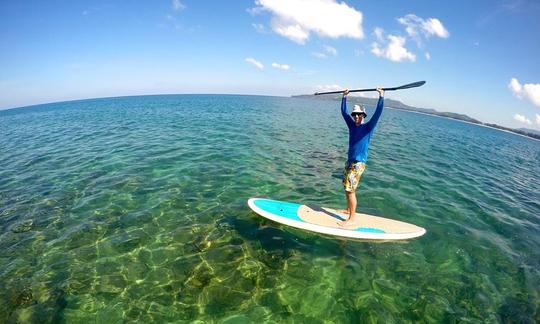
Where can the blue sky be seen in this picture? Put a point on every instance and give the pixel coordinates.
(480, 58)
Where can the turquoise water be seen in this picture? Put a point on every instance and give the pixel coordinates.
(134, 209)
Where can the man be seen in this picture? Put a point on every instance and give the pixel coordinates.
(359, 137)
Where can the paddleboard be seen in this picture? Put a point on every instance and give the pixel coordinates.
(326, 220)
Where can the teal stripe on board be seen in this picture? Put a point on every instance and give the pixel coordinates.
(369, 230)
(290, 210)
(280, 208)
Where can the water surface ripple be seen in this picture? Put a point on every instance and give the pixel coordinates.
(134, 209)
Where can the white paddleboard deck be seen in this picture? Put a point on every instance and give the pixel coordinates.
(327, 221)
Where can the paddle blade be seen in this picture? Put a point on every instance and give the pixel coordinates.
(405, 86)
(329, 92)
(408, 86)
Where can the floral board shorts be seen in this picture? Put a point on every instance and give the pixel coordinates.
(351, 175)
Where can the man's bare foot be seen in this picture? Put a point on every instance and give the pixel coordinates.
(349, 223)
(344, 211)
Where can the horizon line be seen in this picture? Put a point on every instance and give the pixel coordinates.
(141, 95)
(481, 123)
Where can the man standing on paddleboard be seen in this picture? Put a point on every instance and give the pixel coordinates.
(359, 137)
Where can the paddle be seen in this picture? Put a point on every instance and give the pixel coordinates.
(406, 86)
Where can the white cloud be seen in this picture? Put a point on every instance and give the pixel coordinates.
(537, 119)
(319, 55)
(293, 32)
(515, 87)
(177, 5)
(259, 28)
(531, 91)
(428, 27)
(281, 66)
(379, 33)
(255, 11)
(434, 26)
(328, 87)
(395, 51)
(297, 19)
(417, 29)
(522, 119)
(255, 63)
(330, 50)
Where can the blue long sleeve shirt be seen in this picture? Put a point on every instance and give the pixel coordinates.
(359, 136)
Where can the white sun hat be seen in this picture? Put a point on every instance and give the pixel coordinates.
(357, 109)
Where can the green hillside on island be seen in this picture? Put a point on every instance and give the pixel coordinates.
(399, 105)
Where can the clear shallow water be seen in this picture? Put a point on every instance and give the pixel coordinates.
(135, 209)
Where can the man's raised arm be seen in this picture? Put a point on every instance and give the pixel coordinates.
(346, 116)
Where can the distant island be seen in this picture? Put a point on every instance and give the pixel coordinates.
(399, 105)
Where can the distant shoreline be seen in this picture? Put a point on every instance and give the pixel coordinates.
(395, 104)
(466, 122)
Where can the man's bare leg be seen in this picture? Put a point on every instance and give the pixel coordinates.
(351, 203)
